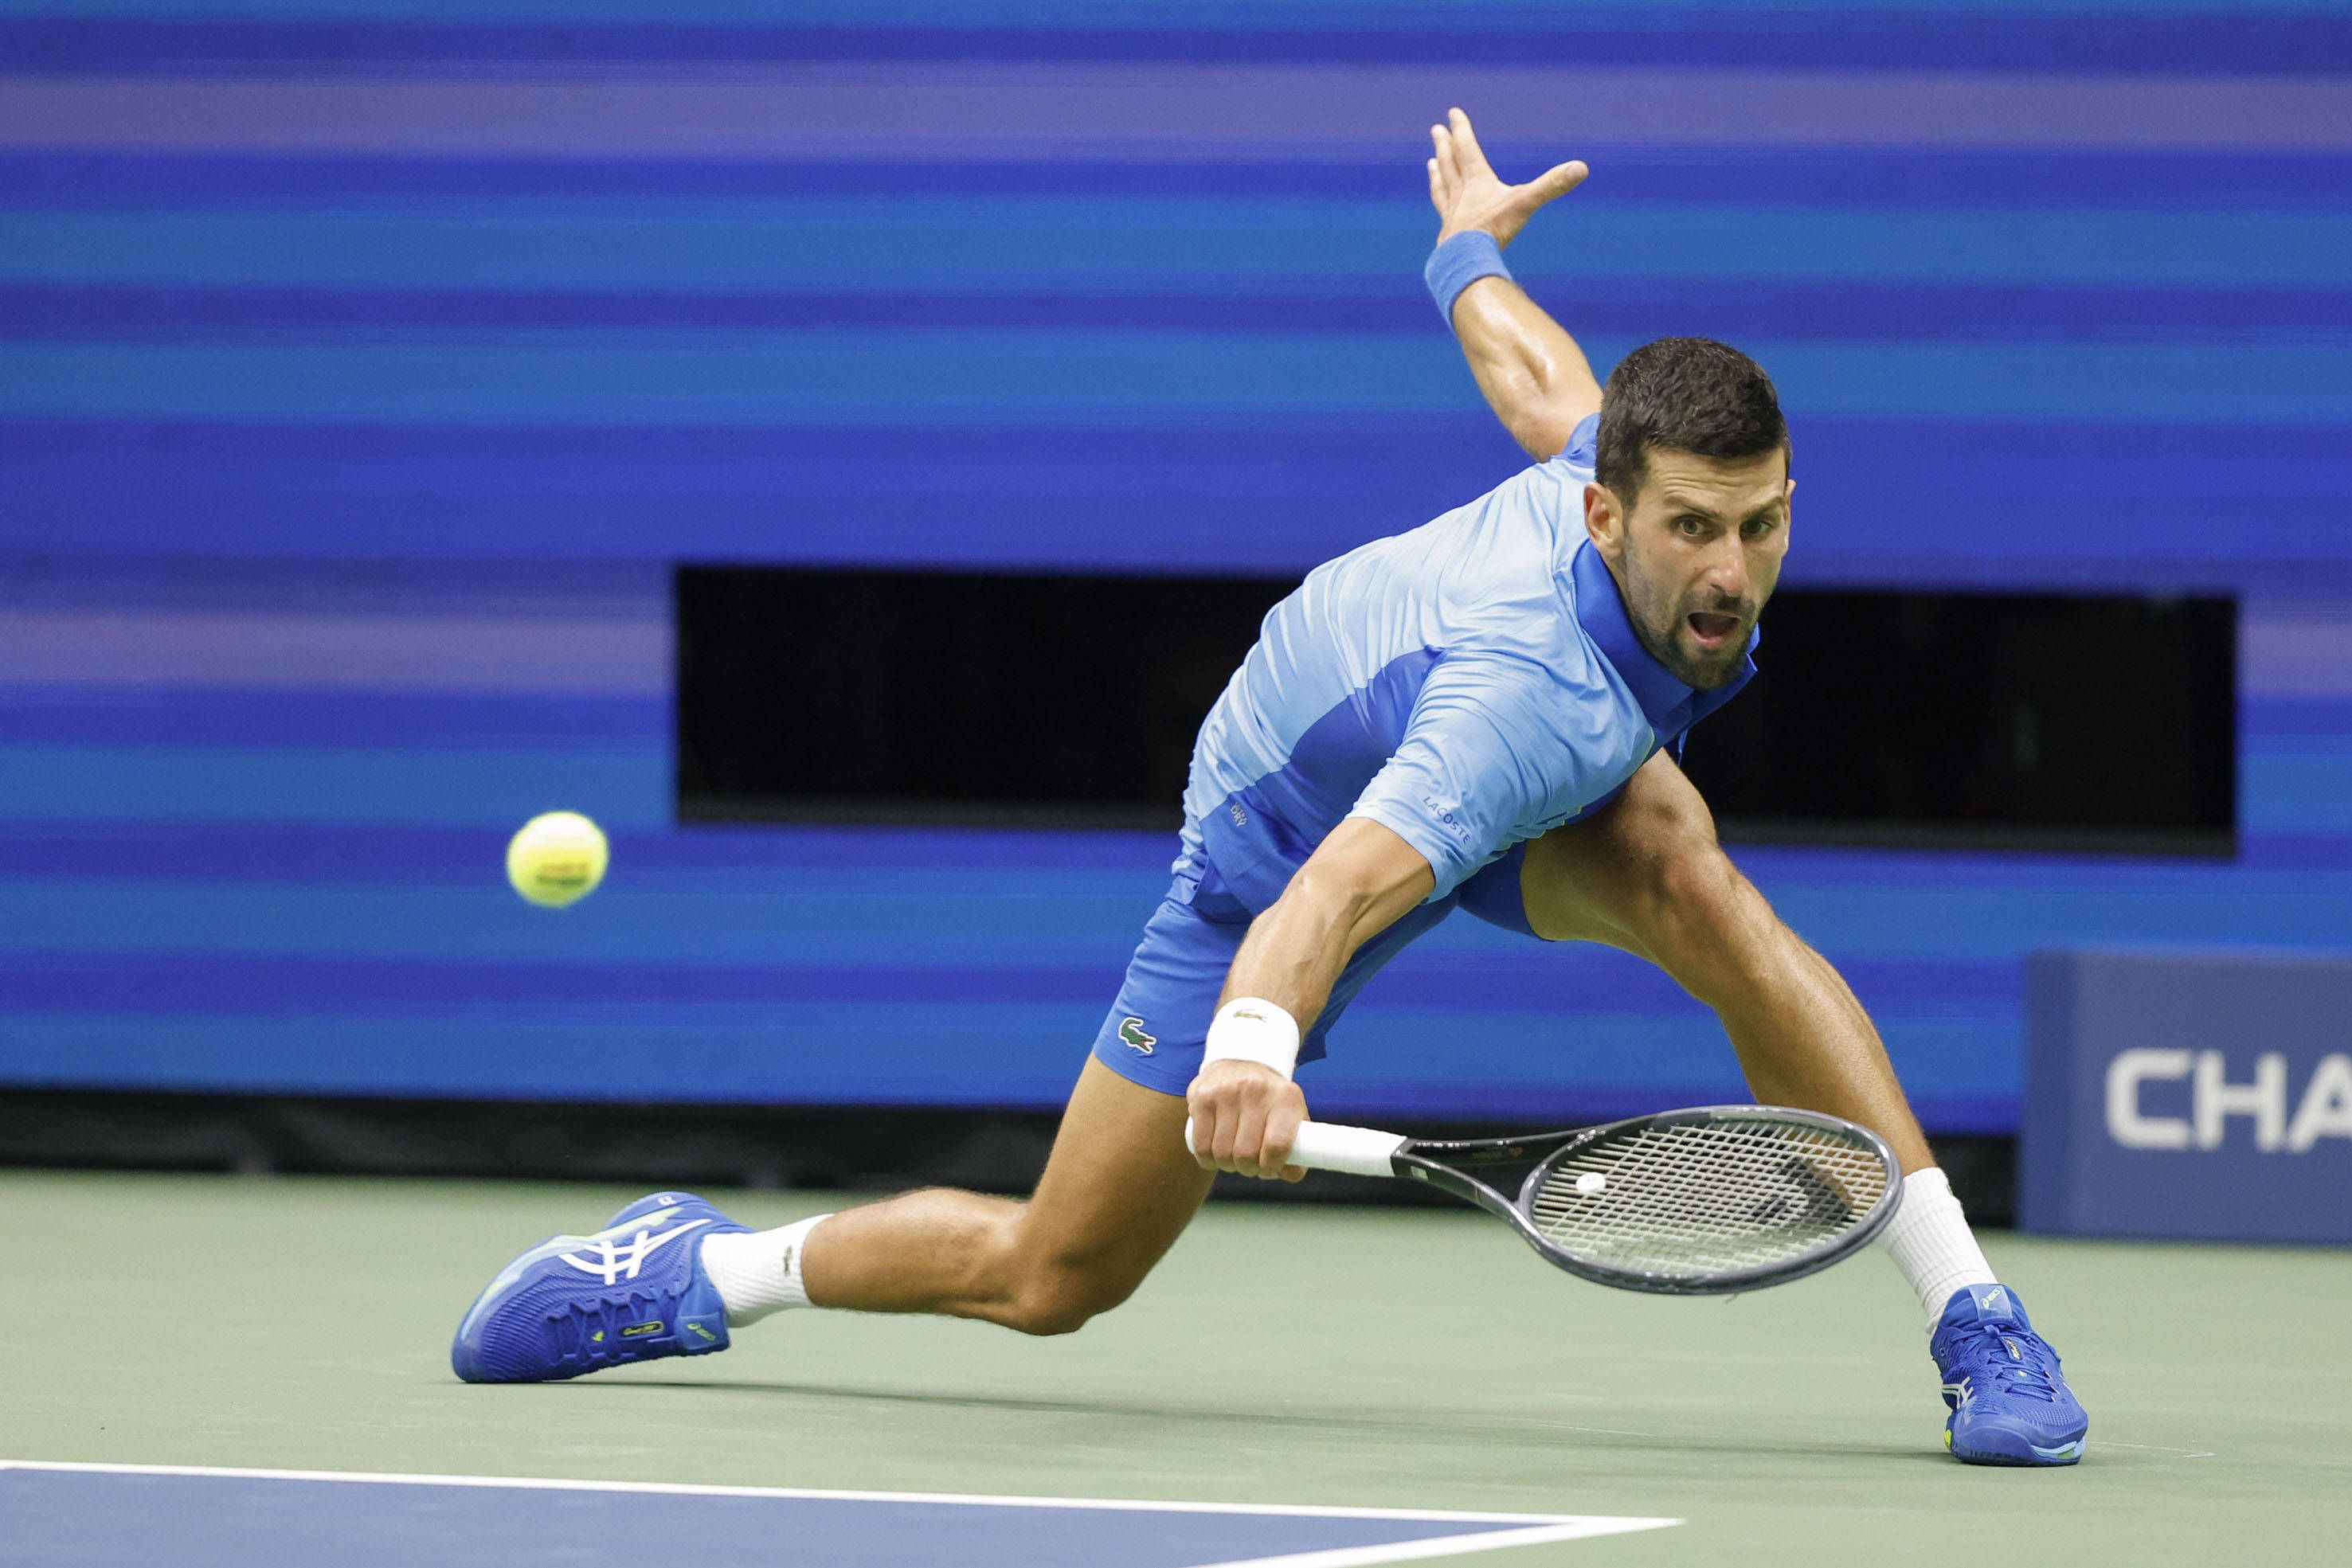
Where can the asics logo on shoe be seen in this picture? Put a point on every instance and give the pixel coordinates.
(614, 1261)
(1958, 1392)
(1992, 1299)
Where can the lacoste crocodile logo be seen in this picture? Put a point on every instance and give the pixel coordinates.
(1130, 1033)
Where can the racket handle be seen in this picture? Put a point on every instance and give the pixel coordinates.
(1358, 1151)
(1329, 1146)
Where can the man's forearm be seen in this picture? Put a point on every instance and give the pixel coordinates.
(1531, 372)
(1244, 1107)
(1295, 952)
(1355, 885)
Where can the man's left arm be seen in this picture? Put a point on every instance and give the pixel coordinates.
(1536, 380)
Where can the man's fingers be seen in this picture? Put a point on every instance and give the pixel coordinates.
(1465, 142)
(1436, 191)
(1281, 1131)
(1247, 1138)
(1449, 170)
(1558, 181)
(1220, 1144)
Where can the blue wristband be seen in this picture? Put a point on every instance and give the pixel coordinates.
(1459, 263)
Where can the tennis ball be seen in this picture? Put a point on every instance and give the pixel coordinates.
(557, 858)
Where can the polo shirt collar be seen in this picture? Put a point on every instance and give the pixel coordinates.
(1670, 706)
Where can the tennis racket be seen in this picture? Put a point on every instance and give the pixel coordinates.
(1707, 1201)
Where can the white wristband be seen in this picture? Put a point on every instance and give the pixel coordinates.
(1251, 1029)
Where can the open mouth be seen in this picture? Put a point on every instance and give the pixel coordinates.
(1713, 631)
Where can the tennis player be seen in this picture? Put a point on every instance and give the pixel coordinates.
(1481, 713)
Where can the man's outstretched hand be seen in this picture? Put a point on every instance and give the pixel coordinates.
(1468, 195)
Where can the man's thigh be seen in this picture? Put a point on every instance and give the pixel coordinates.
(1600, 880)
(1119, 1187)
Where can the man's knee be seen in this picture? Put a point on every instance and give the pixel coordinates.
(1050, 1291)
(1057, 1303)
(1675, 877)
(1703, 921)
(1694, 884)
(1051, 1298)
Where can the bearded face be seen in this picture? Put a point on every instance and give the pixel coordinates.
(1698, 556)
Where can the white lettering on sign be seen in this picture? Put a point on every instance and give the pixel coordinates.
(2216, 1100)
(2325, 1110)
(2125, 1125)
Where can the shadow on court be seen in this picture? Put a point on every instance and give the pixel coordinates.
(1420, 1426)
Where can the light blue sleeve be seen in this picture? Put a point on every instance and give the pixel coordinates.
(1496, 749)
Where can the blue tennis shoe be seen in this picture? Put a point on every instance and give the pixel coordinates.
(635, 1291)
(2010, 1405)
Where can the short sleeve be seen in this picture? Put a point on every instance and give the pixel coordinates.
(1583, 448)
(1495, 751)
(1560, 481)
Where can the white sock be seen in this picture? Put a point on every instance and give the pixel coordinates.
(759, 1273)
(1930, 1241)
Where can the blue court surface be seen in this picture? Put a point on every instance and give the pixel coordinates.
(69, 1516)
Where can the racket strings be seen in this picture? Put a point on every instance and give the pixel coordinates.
(1700, 1199)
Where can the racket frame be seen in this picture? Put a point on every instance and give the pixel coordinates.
(1441, 1164)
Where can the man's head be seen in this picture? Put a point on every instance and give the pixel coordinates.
(1690, 503)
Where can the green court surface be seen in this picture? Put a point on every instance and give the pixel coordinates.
(1400, 1359)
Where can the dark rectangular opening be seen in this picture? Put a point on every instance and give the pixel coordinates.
(950, 696)
(1969, 720)
(1982, 721)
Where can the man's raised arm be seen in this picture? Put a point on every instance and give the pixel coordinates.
(1532, 373)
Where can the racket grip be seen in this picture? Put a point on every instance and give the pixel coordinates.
(1328, 1146)
(1358, 1151)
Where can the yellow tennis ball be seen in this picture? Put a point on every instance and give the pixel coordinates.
(557, 858)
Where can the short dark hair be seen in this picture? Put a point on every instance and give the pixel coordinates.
(1687, 394)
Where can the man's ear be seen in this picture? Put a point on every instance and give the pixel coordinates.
(1604, 523)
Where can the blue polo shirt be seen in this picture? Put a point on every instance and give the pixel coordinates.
(1469, 685)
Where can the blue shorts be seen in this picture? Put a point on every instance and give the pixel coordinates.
(1157, 1028)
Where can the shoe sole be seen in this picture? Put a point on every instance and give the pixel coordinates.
(2034, 1456)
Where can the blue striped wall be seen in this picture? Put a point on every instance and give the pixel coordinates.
(361, 368)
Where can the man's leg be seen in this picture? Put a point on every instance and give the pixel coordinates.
(1648, 876)
(671, 1275)
(1119, 1188)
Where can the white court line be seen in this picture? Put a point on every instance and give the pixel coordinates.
(1453, 1545)
(1535, 1528)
